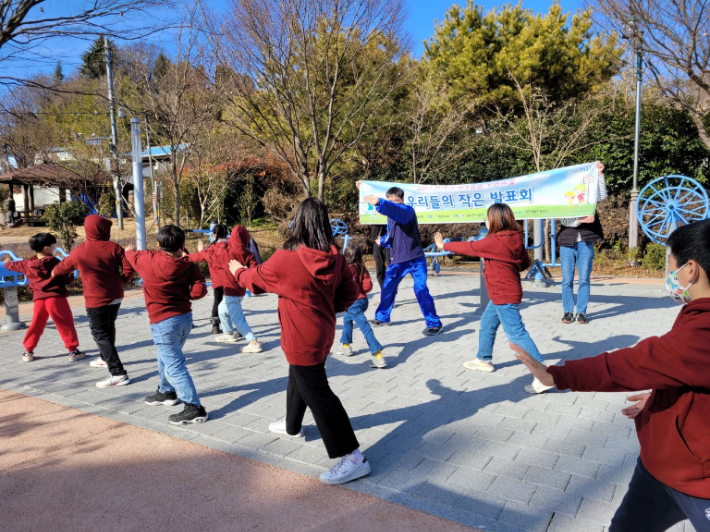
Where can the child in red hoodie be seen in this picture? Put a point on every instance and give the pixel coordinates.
(215, 255)
(505, 254)
(104, 271)
(49, 295)
(356, 312)
(170, 282)
(313, 282)
(231, 314)
(671, 481)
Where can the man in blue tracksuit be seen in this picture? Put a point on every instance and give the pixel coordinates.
(407, 255)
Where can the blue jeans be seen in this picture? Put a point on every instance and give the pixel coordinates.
(169, 337)
(581, 255)
(393, 276)
(231, 316)
(507, 315)
(356, 313)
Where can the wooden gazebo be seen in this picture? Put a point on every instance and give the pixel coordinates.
(47, 174)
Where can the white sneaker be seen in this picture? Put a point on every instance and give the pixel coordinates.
(252, 347)
(479, 365)
(345, 471)
(537, 387)
(279, 427)
(28, 357)
(114, 380)
(378, 361)
(226, 339)
(98, 363)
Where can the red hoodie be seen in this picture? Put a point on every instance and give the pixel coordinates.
(239, 250)
(39, 274)
(217, 258)
(102, 264)
(363, 281)
(674, 427)
(312, 287)
(506, 257)
(168, 284)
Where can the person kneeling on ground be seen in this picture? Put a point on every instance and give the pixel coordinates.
(313, 282)
(671, 481)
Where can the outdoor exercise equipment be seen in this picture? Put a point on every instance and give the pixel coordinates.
(9, 281)
(340, 228)
(667, 203)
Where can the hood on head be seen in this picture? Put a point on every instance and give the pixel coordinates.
(320, 264)
(239, 243)
(97, 227)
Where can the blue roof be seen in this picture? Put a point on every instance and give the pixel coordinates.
(162, 151)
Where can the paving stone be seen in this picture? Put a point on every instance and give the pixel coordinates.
(440, 438)
(596, 510)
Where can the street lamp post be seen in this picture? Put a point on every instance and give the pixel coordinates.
(633, 222)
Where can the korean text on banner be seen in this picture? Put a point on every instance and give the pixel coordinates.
(569, 192)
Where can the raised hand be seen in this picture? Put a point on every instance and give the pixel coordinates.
(372, 200)
(634, 410)
(200, 245)
(235, 266)
(130, 247)
(439, 240)
(600, 165)
(538, 369)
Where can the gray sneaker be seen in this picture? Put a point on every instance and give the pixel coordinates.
(345, 350)
(378, 361)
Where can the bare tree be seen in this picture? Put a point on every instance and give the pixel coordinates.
(309, 75)
(675, 39)
(180, 102)
(438, 128)
(25, 25)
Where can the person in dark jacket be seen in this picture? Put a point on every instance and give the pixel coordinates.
(379, 254)
(313, 282)
(407, 255)
(576, 240)
(506, 256)
(671, 481)
(104, 271)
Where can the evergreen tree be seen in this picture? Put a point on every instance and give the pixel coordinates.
(58, 75)
(93, 61)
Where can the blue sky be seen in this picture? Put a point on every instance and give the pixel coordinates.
(420, 25)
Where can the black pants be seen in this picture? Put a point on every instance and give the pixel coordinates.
(382, 261)
(651, 506)
(218, 295)
(102, 321)
(308, 387)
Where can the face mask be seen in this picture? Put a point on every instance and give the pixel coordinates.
(678, 293)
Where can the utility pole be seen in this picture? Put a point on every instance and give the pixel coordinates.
(114, 138)
(153, 185)
(138, 198)
(633, 222)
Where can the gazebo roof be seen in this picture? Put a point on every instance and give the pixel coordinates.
(47, 174)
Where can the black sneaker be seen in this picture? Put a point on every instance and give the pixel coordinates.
(377, 323)
(568, 317)
(582, 319)
(165, 399)
(216, 329)
(191, 414)
(433, 331)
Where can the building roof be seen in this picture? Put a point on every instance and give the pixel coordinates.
(45, 174)
(162, 151)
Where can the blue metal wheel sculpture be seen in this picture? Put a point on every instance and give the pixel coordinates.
(339, 227)
(667, 203)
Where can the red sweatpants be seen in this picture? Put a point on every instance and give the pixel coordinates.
(60, 312)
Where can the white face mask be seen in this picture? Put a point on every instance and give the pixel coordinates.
(678, 293)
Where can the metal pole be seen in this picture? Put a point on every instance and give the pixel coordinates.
(633, 222)
(538, 228)
(114, 137)
(154, 190)
(138, 200)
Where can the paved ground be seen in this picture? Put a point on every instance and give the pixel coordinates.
(472, 448)
(66, 470)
